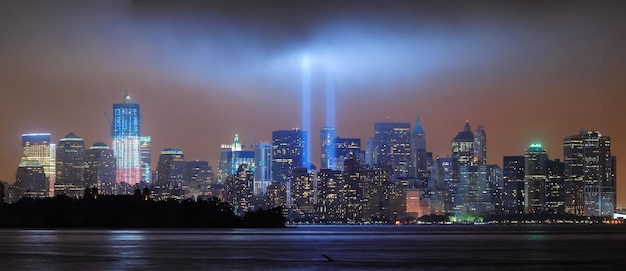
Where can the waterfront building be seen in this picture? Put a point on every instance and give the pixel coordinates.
(535, 178)
(99, 169)
(125, 130)
(513, 168)
(70, 159)
(30, 181)
(37, 147)
(590, 174)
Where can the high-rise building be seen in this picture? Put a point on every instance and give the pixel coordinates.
(513, 188)
(231, 157)
(393, 146)
(418, 150)
(70, 159)
(590, 174)
(37, 147)
(125, 130)
(370, 150)
(478, 188)
(555, 187)
(463, 149)
(170, 174)
(480, 146)
(30, 181)
(197, 178)
(146, 158)
(535, 178)
(327, 154)
(263, 162)
(288, 152)
(100, 169)
(239, 189)
(344, 148)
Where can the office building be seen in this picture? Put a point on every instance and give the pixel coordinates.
(392, 146)
(263, 163)
(37, 147)
(288, 152)
(70, 159)
(146, 158)
(99, 169)
(535, 179)
(327, 152)
(125, 130)
(590, 174)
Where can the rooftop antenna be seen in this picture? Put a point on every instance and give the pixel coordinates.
(126, 98)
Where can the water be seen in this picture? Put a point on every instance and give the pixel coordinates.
(444, 247)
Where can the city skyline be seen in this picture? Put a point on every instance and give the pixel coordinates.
(567, 83)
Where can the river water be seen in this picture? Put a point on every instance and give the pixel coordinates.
(418, 247)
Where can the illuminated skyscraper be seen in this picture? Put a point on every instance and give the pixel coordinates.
(37, 147)
(263, 162)
(126, 142)
(480, 146)
(590, 174)
(392, 142)
(288, 152)
(536, 176)
(327, 138)
(344, 148)
(70, 161)
(231, 157)
(513, 194)
(100, 169)
(30, 181)
(463, 148)
(418, 150)
(146, 158)
(170, 174)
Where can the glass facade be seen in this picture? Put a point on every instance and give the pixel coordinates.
(126, 142)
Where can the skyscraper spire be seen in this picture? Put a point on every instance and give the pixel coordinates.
(467, 127)
(418, 126)
(126, 97)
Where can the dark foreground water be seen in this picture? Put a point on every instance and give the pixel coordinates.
(443, 247)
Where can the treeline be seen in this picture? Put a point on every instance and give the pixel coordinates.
(131, 212)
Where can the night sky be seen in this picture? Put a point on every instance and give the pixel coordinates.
(528, 72)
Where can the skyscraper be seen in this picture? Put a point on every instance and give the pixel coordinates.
(344, 148)
(37, 147)
(146, 158)
(170, 174)
(288, 152)
(30, 181)
(263, 162)
(463, 148)
(536, 176)
(125, 130)
(480, 146)
(100, 168)
(70, 160)
(418, 150)
(513, 194)
(590, 174)
(327, 155)
(392, 142)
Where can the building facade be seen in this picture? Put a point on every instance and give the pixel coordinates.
(125, 130)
